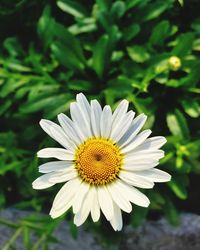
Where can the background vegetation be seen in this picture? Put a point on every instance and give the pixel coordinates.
(146, 51)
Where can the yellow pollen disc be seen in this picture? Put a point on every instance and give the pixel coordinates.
(98, 161)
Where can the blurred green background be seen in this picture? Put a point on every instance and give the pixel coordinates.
(146, 51)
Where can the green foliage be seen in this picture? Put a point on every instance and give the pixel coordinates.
(41, 226)
(109, 50)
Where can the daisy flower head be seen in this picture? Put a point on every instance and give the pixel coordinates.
(103, 161)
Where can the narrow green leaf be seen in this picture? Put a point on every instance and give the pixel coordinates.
(196, 45)
(178, 185)
(26, 238)
(80, 85)
(45, 26)
(152, 10)
(177, 124)
(171, 212)
(173, 124)
(66, 57)
(191, 107)
(181, 2)
(69, 42)
(73, 230)
(138, 53)
(100, 55)
(41, 104)
(132, 3)
(72, 7)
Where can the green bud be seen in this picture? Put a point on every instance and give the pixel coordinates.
(174, 63)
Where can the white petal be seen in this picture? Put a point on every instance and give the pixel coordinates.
(43, 182)
(64, 176)
(62, 139)
(152, 143)
(55, 131)
(133, 130)
(134, 195)
(95, 117)
(55, 213)
(64, 198)
(136, 141)
(135, 179)
(139, 165)
(144, 155)
(81, 124)
(58, 153)
(106, 122)
(119, 198)
(84, 105)
(95, 208)
(68, 127)
(116, 221)
(155, 175)
(105, 202)
(120, 129)
(78, 199)
(82, 215)
(55, 166)
(46, 124)
(119, 111)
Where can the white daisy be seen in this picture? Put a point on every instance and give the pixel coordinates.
(103, 161)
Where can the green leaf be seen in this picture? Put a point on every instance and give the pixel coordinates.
(41, 104)
(72, 7)
(12, 45)
(85, 25)
(52, 32)
(100, 55)
(160, 32)
(171, 212)
(73, 230)
(143, 105)
(196, 26)
(103, 4)
(183, 45)
(181, 2)
(132, 3)
(16, 66)
(80, 85)
(45, 26)
(66, 57)
(69, 41)
(156, 198)
(5, 106)
(131, 31)
(138, 216)
(118, 9)
(177, 124)
(123, 80)
(196, 45)
(178, 185)
(138, 53)
(11, 85)
(2, 200)
(26, 238)
(153, 10)
(191, 107)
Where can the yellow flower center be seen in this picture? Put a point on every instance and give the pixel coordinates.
(98, 161)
